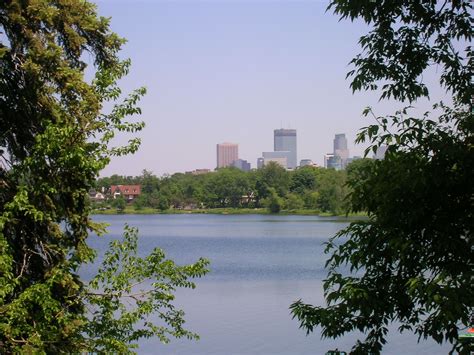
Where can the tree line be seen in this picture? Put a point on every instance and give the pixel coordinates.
(272, 187)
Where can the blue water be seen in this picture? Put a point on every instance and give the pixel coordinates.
(259, 266)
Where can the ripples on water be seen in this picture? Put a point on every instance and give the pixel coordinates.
(260, 264)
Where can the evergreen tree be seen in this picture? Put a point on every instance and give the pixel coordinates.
(55, 138)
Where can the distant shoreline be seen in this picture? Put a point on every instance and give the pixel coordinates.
(222, 211)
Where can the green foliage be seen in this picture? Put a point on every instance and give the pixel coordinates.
(148, 285)
(56, 137)
(331, 191)
(303, 179)
(406, 38)
(412, 261)
(273, 202)
(119, 203)
(140, 202)
(308, 187)
(359, 171)
(311, 200)
(274, 176)
(163, 203)
(226, 187)
(293, 202)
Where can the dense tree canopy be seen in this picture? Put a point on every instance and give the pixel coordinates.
(311, 188)
(54, 140)
(412, 261)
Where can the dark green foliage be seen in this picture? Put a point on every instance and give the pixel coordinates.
(225, 188)
(332, 191)
(303, 179)
(273, 176)
(163, 203)
(312, 188)
(412, 261)
(406, 38)
(119, 203)
(55, 139)
(273, 202)
(359, 171)
(140, 202)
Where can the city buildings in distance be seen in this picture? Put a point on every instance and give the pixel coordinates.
(285, 153)
(281, 158)
(338, 159)
(307, 162)
(284, 140)
(227, 153)
(198, 172)
(284, 149)
(241, 164)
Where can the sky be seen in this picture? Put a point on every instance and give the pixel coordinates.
(233, 71)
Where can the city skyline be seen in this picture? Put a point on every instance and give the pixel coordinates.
(226, 71)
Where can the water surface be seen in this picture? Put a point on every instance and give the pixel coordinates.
(260, 264)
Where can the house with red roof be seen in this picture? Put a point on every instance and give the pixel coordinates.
(129, 192)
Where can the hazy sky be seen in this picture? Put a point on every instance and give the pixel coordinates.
(233, 71)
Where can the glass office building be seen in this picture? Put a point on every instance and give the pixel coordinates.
(284, 140)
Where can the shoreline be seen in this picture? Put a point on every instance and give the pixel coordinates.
(223, 211)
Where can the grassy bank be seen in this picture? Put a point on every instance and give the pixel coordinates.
(225, 211)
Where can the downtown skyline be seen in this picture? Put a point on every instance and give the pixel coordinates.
(285, 153)
(226, 71)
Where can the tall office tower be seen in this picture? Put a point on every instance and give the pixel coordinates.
(340, 148)
(285, 140)
(227, 153)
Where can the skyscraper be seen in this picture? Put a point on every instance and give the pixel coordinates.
(227, 153)
(285, 140)
(340, 148)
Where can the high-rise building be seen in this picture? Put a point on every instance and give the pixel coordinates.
(260, 163)
(284, 140)
(340, 148)
(280, 157)
(332, 161)
(241, 164)
(227, 153)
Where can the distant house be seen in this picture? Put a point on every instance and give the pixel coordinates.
(96, 196)
(129, 192)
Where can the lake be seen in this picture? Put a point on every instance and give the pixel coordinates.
(260, 264)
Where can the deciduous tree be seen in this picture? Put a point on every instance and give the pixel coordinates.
(412, 261)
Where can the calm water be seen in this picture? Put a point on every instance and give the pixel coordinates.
(259, 266)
